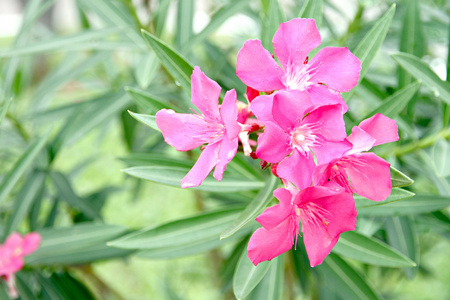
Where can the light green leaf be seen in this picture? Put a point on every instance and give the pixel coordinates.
(369, 250)
(399, 179)
(147, 101)
(247, 276)
(253, 209)
(271, 286)
(78, 244)
(182, 232)
(4, 109)
(440, 154)
(177, 66)
(161, 16)
(21, 165)
(312, 9)
(155, 159)
(422, 71)
(184, 23)
(368, 47)
(146, 69)
(274, 16)
(418, 204)
(346, 281)
(397, 194)
(173, 175)
(148, 120)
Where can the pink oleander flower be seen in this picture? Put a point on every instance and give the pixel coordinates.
(12, 253)
(324, 212)
(366, 174)
(215, 126)
(331, 71)
(293, 124)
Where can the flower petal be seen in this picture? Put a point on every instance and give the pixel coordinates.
(261, 107)
(229, 114)
(205, 93)
(205, 163)
(297, 169)
(337, 67)
(256, 67)
(273, 144)
(227, 151)
(289, 108)
(361, 141)
(330, 150)
(181, 131)
(294, 40)
(321, 95)
(31, 242)
(380, 127)
(275, 215)
(330, 120)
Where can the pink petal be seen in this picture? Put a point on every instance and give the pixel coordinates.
(330, 150)
(265, 244)
(275, 215)
(229, 114)
(273, 144)
(205, 93)
(321, 95)
(181, 131)
(289, 108)
(297, 169)
(251, 94)
(294, 40)
(337, 67)
(330, 120)
(261, 107)
(382, 128)
(227, 151)
(13, 242)
(205, 163)
(31, 242)
(256, 67)
(361, 140)
(335, 213)
(370, 175)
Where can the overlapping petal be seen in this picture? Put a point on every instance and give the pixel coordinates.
(205, 94)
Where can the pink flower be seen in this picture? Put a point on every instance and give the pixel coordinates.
(324, 212)
(292, 124)
(215, 126)
(366, 174)
(331, 71)
(12, 253)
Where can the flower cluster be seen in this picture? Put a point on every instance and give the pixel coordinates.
(12, 253)
(296, 112)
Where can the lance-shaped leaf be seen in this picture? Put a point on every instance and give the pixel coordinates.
(147, 101)
(146, 69)
(184, 22)
(399, 179)
(397, 194)
(253, 209)
(173, 175)
(440, 154)
(21, 165)
(148, 120)
(247, 276)
(177, 66)
(155, 159)
(369, 250)
(312, 9)
(423, 72)
(273, 17)
(271, 286)
(346, 281)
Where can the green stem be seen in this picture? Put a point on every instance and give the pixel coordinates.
(22, 131)
(423, 143)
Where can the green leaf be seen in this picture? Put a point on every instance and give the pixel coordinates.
(147, 101)
(78, 244)
(253, 209)
(312, 9)
(146, 69)
(399, 179)
(346, 281)
(271, 286)
(418, 204)
(21, 165)
(402, 236)
(394, 104)
(422, 71)
(173, 175)
(22, 283)
(155, 159)
(4, 109)
(247, 276)
(22, 204)
(368, 47)
(69, 287)
(397, 194)
(148, 120)
(274, 16)
(184, 22)
(177, 66)
(369, 250)
(440, 154)
(161, 16)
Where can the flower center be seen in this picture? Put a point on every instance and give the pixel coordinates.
(303, 138)
(314, 214)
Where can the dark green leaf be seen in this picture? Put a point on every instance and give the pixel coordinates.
(399, 179)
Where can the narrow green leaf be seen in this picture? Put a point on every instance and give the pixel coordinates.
(146, 69)
(177, 66)
(23, 288)
(346, 281)
(184, 22)
(173, 175)
(148, 120)
(4, 109)
(271, 286)
(369, 250)
(24, 201)
(161, 16)
(402, 236)
(399, 179)
(247, 276)
(245, 166)
(312, 9)
(423, 72)
(368, 47)
(21, 165)
(397, 194)
(440, 153)
(69, 287)
(147, 101)
(253, 209)
(416, 205)
(178, 233)
(394, 104)
(155, 159)
(274, 16)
